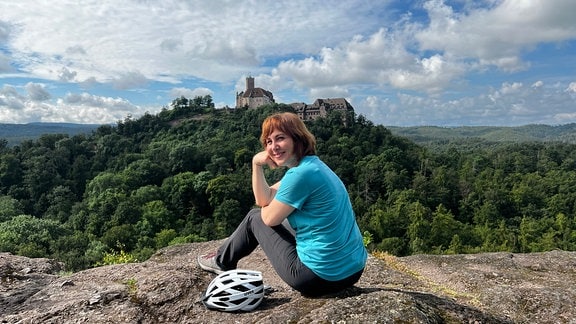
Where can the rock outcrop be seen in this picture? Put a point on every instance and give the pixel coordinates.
(481, 288)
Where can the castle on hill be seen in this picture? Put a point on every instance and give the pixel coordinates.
(254, 97)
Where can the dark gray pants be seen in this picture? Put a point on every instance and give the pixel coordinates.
(279, 245)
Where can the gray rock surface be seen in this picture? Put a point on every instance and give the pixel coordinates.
(481, 288)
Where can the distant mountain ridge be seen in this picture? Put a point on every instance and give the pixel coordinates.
(14, 134)
(528, 133)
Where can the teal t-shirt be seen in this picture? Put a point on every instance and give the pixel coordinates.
(328, 240)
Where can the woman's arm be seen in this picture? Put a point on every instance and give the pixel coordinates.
(263, 193)
(275, 212)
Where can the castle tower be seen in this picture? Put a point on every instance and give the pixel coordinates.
(249, 83)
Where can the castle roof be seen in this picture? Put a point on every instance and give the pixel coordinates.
(334, 103)
(256, 93)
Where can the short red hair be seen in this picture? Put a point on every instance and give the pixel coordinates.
(291, 125)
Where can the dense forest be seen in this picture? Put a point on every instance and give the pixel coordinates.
(183, 175)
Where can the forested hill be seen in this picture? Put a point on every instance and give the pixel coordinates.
(121, 192)
(490, 134)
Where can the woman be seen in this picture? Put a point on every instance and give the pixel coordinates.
(321, 251)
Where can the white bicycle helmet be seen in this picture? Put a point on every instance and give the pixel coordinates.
(235, 290)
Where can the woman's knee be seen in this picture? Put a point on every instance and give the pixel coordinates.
(254, 215)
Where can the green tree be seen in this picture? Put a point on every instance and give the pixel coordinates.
(227, 216)
(528, 232)
(60, 201)
(71, 249)
(165, 237)
(228, 187)
(10, 171)
(186, 192)
(9, 208)
(120, 238)
(443, 228)
(419, 228)
(566, 233)
(29, 236)
(158, 216)
(455, 245)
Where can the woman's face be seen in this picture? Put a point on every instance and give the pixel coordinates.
(280, 148)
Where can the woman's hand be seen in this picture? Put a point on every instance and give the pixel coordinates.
(262, 158)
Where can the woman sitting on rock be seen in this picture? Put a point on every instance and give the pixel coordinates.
(321, 250)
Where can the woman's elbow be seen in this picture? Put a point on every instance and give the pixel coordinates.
(261, 204)
(267, 222)
(267, 219)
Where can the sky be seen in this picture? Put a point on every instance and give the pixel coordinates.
(399, 63)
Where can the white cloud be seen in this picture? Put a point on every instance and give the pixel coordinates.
(10, 99)
(130, 42)
(455, 44)
(511, 104)
(66, 75)
(76, 50)
(190, 93)
(167, 39)
(86, 108)
(359, 60)
(171, 44)
(428, 74)
(129, 80)
(4, 31)
(5, 64)
(508, 88)
(506, 63)
(329, 92)
(37, 92)
(499, 34)
(395, 65)
(74, 108)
